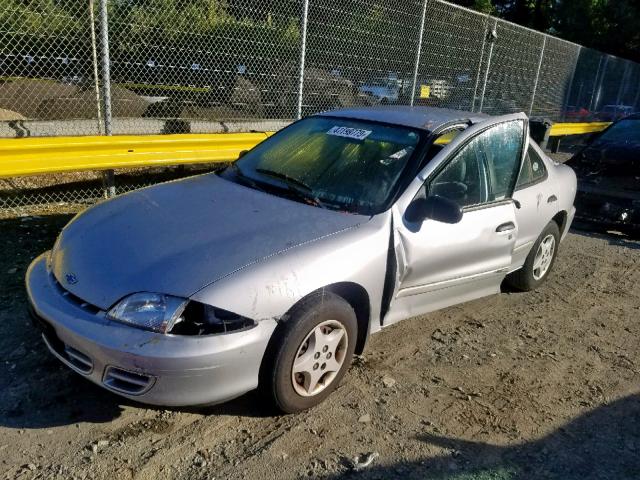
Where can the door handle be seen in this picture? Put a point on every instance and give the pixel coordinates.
(505, 227)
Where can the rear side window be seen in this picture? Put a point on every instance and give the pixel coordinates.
(533, 169)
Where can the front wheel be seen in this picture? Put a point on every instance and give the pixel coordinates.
(539, 262)
(310, 353)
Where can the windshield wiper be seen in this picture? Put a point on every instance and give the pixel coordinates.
(283, 176)
(245, 178)
(295, 186)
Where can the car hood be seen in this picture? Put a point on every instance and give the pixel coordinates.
(178, 237)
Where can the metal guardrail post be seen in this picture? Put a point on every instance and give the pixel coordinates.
(492, 37)
(108, 175)
(535, 83)
(418, 53)
(303, 54)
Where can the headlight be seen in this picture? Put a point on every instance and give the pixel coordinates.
(179, 316)
(151, 311)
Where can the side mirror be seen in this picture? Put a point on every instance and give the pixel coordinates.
(242, 153)
(435, 207)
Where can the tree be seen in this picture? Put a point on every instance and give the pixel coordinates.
(605, 25)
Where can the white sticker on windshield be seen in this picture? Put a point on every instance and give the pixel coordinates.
(348, 132)
(399, 154)
(394, 156)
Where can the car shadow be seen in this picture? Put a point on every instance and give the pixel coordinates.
(601, 444)
(613, 238)
(35, 389)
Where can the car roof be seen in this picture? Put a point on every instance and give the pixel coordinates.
(424, 118)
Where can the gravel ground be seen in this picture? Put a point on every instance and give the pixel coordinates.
(513, 386)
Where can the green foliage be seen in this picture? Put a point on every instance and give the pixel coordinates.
(607, 25)
(484, 6)
(204, 25)
(39, 18)
(63, 25)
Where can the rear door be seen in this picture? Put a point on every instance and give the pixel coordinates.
(441, 264)
(538, 204)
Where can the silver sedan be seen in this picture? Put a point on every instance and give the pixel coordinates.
(272, 273)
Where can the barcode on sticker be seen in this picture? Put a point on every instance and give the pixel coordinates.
(348, 132)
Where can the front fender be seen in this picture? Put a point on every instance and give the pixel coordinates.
(269, 288)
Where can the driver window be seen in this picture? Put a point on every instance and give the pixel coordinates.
(485, 169)
(464, 179)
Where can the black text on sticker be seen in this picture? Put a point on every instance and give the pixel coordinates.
(347, 132)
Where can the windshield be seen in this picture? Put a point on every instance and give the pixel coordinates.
(330, 162)
(625, 131)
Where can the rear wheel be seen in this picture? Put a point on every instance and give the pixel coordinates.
(539, 262)
(309, 353)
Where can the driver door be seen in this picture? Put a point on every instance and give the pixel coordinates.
(440, 264)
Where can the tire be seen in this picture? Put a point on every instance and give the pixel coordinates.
(316, 322)
(529, 277)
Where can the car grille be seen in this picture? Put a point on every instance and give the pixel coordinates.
(70, 297)
(124, 381)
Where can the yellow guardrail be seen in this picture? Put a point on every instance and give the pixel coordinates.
(563, 129)
(32, 155)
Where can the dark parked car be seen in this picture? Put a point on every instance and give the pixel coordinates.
(611, 113)
(608, 170)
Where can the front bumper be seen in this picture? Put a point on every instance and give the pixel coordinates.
(158, 369)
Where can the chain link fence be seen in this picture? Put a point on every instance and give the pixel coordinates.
(202, 66)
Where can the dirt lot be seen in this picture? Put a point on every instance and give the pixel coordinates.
(514, 386)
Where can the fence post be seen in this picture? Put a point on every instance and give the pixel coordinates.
(303, 54)
(597, 91)
(535, 83)
(108, 175)
(565, 104)
(637, 97)
(493, 35)
(623, 85)
(484, 41)
(595, 84)
(418, 53)
(94, 51)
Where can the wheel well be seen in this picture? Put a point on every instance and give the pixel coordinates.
(561, 219)
(358, 298)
